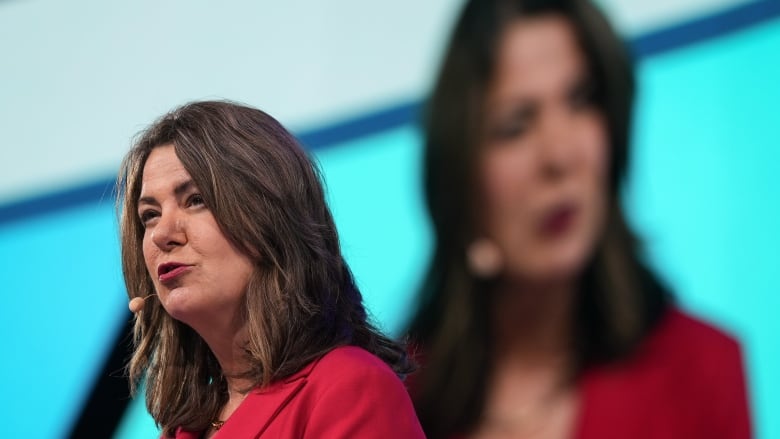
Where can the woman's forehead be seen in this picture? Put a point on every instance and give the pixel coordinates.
(539, 53)
(164, 172)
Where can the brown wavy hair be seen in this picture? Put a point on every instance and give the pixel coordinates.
(619, 300)
(301, 301)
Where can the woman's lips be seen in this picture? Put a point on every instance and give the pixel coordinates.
(170, 271)
(558, 220)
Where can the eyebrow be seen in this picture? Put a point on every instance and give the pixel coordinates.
(180, 189)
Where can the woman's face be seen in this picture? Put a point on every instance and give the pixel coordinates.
(544, 154)
(199, 275)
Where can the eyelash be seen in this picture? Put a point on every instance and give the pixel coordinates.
(149, 214)
(195, 199)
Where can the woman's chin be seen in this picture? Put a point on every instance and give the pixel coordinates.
(552, 268)
(179, 305)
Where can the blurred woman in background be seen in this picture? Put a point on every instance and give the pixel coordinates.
(537, 318)
(258, 329)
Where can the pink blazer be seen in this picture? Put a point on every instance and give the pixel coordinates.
(348, 393)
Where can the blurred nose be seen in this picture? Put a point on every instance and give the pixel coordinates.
(557, 138)
(169, 232)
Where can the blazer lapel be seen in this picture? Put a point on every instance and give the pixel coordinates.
(262, 406)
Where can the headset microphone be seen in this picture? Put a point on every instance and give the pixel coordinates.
(137, 303)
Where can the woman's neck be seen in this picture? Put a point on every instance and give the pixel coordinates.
(533, 323)
(227, 345)
(529, 391)
(229, 352)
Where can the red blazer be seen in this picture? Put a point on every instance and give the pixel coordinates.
(348, 393)
(685, 381)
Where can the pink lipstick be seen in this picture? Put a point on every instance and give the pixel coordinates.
(170, 271)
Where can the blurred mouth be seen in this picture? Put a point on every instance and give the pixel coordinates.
(170, 271)
(558, 220)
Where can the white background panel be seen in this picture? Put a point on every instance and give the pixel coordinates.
(80, 77)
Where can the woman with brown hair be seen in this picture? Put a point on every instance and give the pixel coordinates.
(537, 317)
(258, 328)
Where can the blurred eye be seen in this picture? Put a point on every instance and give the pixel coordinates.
(511, 125)
(583, 95)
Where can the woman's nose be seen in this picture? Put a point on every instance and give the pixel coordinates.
(557, 138)
(169, 232)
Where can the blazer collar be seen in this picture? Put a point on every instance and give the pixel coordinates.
(263, 405)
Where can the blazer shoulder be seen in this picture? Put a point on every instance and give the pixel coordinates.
(353, 393)
(352, 360)
(685, 332)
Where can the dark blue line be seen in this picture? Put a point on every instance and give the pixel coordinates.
(314, 139)
(369, 124)
(719, 24)
(56, 201)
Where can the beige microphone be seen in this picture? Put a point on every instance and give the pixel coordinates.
(137, 303)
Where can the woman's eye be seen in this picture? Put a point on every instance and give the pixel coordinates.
(196, 200)
(583, 96)
(147, 215)
(508, 130)
(510, 127)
